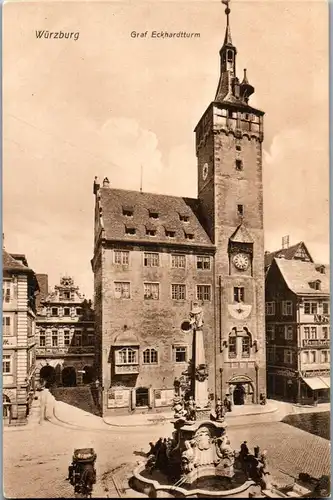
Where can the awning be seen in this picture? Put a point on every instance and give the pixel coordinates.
(316, 383)
(327, 381)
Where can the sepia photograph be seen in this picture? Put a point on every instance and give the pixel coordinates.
(166, 257)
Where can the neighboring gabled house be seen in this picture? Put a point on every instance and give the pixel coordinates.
(298, 251)
(19, 287)
(298, 330)
(65, 335)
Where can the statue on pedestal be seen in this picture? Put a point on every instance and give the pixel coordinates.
(191, 410)
(178, 406)
(196, 317)
(220, 410)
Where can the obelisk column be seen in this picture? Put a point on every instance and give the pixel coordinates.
(200, 374)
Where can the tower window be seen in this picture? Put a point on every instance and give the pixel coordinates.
(130, 230)
(230, 56)
(238, 147)
(240, 210)
(239, 165)
(239, 294)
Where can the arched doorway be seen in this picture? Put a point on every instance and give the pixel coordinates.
(239, 394)
(58, 374)
(68, 376)
(88, 375)
(6, 410)
(241, 390)
(47, 375)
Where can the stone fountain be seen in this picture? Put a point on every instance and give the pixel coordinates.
(198, 460)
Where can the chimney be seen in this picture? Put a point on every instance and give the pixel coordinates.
(285, 242)
(96, 185)
(106, 183)
(43, 283)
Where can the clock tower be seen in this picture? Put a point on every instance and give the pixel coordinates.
(229, 140)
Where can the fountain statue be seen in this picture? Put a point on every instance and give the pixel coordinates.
(199, 460)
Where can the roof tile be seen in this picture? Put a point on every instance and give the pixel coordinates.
(168, 208)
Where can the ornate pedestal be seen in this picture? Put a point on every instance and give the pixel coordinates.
(202, 449)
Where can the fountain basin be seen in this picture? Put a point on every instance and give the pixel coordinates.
(155, 489)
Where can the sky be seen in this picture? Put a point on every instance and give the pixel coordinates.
(107, 104)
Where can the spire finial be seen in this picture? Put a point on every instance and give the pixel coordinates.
(227, 11)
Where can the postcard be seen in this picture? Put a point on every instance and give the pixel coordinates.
(166, 277)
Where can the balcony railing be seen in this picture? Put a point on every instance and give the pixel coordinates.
(127, 368)
(316, 343)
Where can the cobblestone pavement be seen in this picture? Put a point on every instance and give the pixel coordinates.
(36, 457)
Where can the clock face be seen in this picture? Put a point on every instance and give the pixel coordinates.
(241, 261)
(205, 171)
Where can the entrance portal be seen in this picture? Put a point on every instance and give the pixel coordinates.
(239, 394)
(88, 375)
(47, 374)
(69, 376)
(142, 396)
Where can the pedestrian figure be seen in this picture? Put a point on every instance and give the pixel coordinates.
(227, 402)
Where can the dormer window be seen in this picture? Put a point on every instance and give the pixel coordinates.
(150, 232)
(315, 285)
(320, 269)
(170, 233)
(128, 211)
(130, 230)
(189, 236)
(153, 214)
(184, 218)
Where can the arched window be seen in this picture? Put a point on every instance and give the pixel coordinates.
(126, 356)
(150, 357)
(232, 352)
(230, 56)
(246, 343)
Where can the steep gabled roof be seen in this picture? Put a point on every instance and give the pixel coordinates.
(293, 252)
(299, 274)
(241, 235)
(169, 209)
(9, 263)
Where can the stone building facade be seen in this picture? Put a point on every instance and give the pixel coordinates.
(18, 337)
(155, 255)
(298, 328)
(65, 334)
